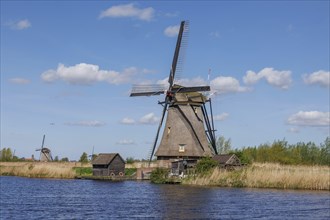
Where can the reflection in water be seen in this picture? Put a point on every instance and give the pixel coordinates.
(23, 198)
(184, 202)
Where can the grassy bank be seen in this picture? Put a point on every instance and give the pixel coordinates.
(267, 175)
(63, 170)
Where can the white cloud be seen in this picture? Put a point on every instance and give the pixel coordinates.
(125, 142)
(171, 15)
(149, 119)
(221, 117)
(19, 25)
(93, 123)
(198, 81)
(281, 79)
(18, 80)
(294, 130)
(86, 74)
(310, 118)
(127, 121)
(129, 10)
(320, 77)
(172, 31)
(227, 84)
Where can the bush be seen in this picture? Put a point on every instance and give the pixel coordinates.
(159, 175)
(205, 165)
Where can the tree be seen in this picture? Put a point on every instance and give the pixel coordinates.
(223, 145)
(56, 159)
(129, 160)
(6, 154)
(84, 158)
(65, 159)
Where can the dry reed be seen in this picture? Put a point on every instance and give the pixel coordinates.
(268, 175)
(39, 169)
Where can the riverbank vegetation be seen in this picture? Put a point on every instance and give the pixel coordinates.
(291, 154)
(266, 175)
(63, 170)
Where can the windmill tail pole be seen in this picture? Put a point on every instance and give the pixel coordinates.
(213, 130)
(160, 125)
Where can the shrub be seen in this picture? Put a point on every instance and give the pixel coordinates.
(205, 165)
(159, 175)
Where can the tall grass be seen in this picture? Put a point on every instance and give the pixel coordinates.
(39, 169)
(268, 175)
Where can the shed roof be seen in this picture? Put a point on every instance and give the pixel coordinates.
(222, 158)
(105, 158)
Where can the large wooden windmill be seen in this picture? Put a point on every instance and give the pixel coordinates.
(189, 131)
(45, 153)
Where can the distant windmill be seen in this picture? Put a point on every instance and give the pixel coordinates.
(189, 131)
(45, 153)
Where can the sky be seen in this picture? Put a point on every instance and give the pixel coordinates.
(67, 69)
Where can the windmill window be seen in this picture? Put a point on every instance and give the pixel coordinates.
(182, 147)
(168, 130)
(195, 109)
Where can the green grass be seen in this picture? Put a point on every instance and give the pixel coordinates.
(130, 171)
(83, 171)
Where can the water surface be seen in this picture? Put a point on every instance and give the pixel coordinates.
(24, 198)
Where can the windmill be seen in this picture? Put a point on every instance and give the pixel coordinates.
(45, 153)
(189, 131)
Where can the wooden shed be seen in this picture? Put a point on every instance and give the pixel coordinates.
(228, 161)
(108, 165)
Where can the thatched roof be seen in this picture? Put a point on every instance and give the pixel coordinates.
(104, 159)
(184, 126)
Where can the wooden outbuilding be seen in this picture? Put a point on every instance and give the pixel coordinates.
(180, 167)
(228, 161)
(108, 165)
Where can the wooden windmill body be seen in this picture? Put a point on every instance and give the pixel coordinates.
(189, 132)
(45, 153)
(184, 132)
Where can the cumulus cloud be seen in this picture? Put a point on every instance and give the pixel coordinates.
(227, 84)
(125, 142)
(149, 119)
(281, 79)
(18, 80)
(310, 118)
(172, 31)
(197, 81)
(93, 123)
(128, 10)
(221, 117)
(127, 121)
(320, 77)
(86, 74)
(19, 25)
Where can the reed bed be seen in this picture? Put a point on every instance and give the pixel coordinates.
(40, 169)
(267, 175)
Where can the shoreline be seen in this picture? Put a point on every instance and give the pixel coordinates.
(257, 175)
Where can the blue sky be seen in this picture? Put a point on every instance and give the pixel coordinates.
(67, 68)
